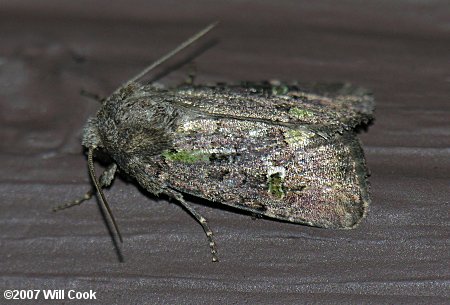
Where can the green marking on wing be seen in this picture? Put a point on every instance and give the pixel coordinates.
(186, 156)
(300, 114)
(280, 90)
(276, 185)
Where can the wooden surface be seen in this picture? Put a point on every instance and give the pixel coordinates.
(50, 50)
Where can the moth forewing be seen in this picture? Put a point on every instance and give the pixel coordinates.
(268, 166)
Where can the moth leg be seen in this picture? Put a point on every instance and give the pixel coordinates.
(88, 195)
(107, 177)
(105, 180)
(91, 95)
(190, 77)
(203, 222)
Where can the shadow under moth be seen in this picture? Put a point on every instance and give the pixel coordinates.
(288, 152)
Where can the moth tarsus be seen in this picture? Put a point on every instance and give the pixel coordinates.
(285, 151)
(91, 95)
(88, 195)
(202, 220)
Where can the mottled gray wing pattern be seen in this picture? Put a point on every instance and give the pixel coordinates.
(269, 169)
(327, 108)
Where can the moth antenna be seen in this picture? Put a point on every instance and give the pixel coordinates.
(99, 190)
(182, 46)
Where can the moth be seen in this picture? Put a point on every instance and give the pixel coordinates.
(284, 151)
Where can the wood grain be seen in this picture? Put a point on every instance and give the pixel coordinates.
(51, 50)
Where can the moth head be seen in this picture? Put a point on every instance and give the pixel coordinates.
(91, 135)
